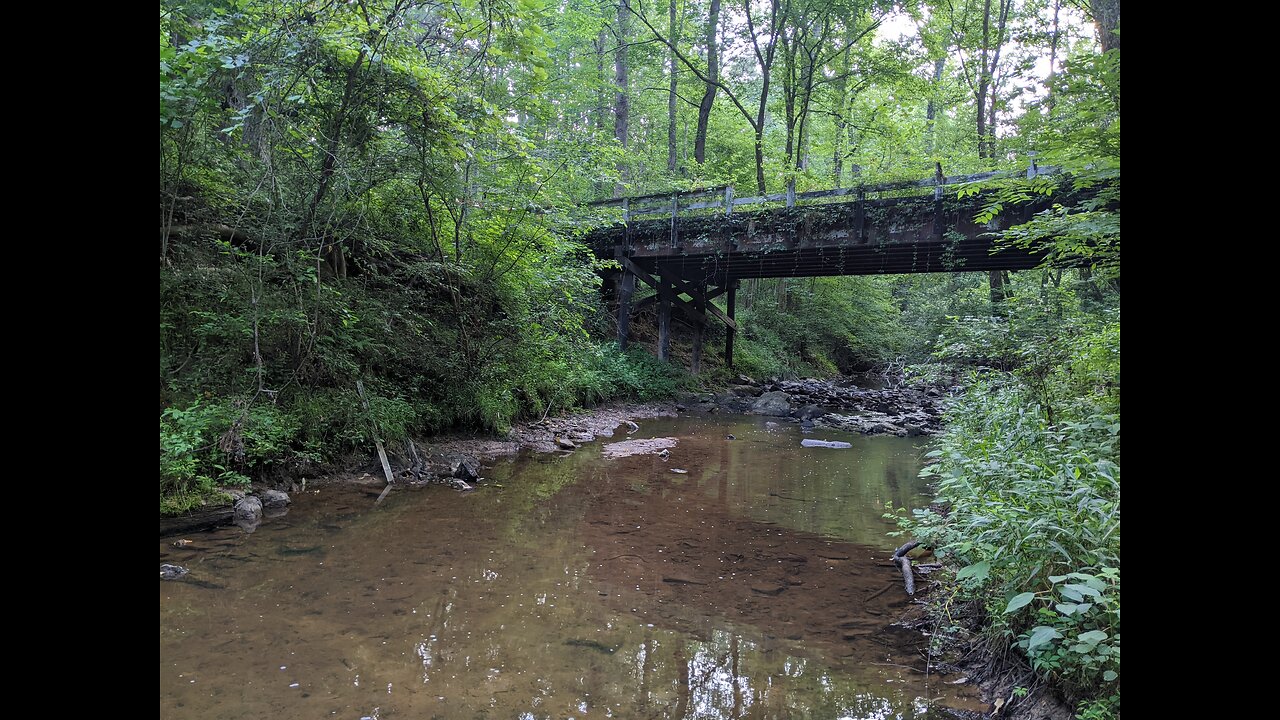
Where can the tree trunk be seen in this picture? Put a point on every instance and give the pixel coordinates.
(790, 88)
(764, 59)
(1106, 16)
(602, 94)
(838, 145)
(984, 85)
(760, 156)
(329, 163)
(622, 101)
(672, 94)
(931, 110)
(713, 75)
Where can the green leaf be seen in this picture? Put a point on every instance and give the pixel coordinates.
(1093, 637)
(1082, 589)
(977, 571)
(1041, 635)
(1020, 601)
(1110, 675)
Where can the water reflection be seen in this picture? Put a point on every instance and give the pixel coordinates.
(501, 604)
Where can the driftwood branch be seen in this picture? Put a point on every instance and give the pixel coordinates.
(418, 467)
(904, 564)
(377, 441)
(908, 579)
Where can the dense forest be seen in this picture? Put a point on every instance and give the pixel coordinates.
(371, 223)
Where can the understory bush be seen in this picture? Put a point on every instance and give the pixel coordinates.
(1028, 471)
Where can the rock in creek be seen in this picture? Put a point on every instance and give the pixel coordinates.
(248, 513)
(836, 444)
(172, 572)
(274, 499)
(811, 412)
(465, 468)
(775, 404)
(626, 448)
(565, 444)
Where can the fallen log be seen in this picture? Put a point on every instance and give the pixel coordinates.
(908, 579)
(206, 519)
(904, 564)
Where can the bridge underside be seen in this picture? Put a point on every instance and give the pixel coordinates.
(702, 257)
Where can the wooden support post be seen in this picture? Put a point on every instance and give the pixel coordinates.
(732, 299)
(860, 216)
(699, 330)
(626, 289)
(700, 305)
(791, 193)
(938, 181)
(664, 326)
(1033, 170)
(675, 209)
(728, 201)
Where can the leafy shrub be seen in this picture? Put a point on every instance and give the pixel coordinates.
(207, 445)
(1029, 466)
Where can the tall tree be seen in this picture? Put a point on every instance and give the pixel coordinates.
(622, 100)
(673, 92)
(711, 82)
(765, 56)
(979, 36)
(1106, 15)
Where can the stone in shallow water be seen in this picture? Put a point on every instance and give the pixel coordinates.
(274, 498)
(807, 442)
(627, 448)
(774, 403)
(248, 513)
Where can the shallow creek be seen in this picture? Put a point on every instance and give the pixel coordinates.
(752, 585)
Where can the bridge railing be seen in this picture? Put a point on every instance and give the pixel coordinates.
(722, 198)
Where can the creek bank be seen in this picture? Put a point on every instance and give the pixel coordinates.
(1008, 687)
(452, 460)
(901, 410)
(999, 679)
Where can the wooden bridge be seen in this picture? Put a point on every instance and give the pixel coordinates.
(699, 244)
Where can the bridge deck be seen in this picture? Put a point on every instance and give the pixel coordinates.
(700, 256)
(848, 238)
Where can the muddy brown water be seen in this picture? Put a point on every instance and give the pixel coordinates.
(570, 586)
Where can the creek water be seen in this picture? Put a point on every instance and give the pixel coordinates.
(751, 585)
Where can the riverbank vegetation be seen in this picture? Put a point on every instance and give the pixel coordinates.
(371, 216)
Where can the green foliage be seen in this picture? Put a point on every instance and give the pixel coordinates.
(817, 327)
(1030, 467)
(204, 446)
